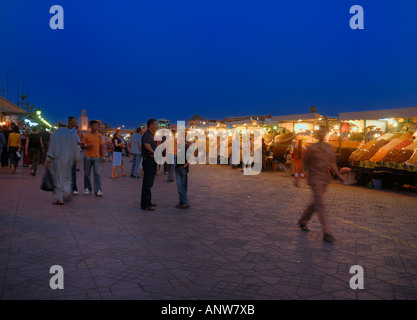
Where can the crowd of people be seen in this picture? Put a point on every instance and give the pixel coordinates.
(29, 146)
(61, 154)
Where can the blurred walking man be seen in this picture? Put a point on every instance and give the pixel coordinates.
(317, 160)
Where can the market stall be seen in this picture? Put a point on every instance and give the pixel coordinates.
(11, 113)
(291, 128)
(389, 154)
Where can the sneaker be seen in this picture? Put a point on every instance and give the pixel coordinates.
(99, 193)
(182, 206)
(86, 191)
(75, 192)
(328, 237)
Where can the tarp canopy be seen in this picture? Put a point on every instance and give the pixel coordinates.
(379, 114)
(297, 117)
(8, 107)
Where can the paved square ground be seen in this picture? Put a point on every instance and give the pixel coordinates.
(238, 240)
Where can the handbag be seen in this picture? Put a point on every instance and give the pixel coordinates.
(47, 182)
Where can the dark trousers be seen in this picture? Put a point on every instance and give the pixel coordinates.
(34, 154)
(149, 168)
(44, 152)
(74, 176)
(14, 160)
(5, 157)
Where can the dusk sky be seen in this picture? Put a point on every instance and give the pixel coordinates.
(127, 61)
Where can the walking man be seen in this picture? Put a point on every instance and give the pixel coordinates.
(34, 147)
(61, 157)
(149, 164)
(317, 159)
(135, 147)
(45, 135)
(93, 145)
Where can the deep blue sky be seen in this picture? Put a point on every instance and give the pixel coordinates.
(127, 61)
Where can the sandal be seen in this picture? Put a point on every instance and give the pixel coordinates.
(58, 202)
(303, 227)
(149, 209)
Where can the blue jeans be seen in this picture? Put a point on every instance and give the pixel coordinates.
(92, 162)
(135, 164)
(182, 184)
(171, 169)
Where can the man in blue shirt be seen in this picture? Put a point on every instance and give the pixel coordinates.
(135, 148)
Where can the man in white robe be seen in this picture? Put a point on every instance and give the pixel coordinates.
(62, 153)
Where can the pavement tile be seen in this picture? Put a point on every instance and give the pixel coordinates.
(238, 240)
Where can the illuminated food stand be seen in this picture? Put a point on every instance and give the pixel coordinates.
(295, 127)
(388, 150)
